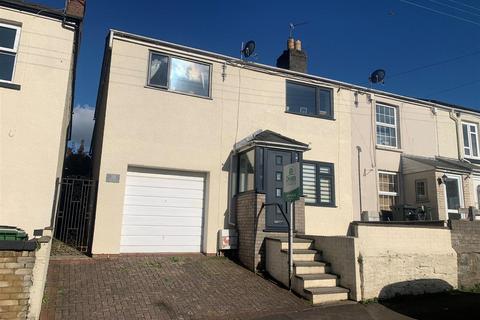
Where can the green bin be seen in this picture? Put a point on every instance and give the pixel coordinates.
(12, 233)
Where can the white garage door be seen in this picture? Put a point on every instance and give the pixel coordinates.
(163, 212)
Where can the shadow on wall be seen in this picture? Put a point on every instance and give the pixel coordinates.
(414, 287)
(438, 306)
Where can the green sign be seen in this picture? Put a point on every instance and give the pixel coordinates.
(291, 182)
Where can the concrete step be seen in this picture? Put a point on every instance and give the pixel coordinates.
(316, 280)
(310, 267)
(325, 294)
(298, 243)
(304, 254)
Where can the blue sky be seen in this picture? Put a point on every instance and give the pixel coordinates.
(345, 39)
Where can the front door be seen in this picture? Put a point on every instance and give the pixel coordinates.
(453, 193)
(275, 160)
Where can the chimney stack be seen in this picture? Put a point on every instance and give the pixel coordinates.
(76, 8)
(293, 58)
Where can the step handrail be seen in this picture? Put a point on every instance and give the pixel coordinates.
(290, 235)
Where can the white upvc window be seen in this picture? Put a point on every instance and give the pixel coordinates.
(386, 123)
(387, 189)
(470, 139)
(9, 38)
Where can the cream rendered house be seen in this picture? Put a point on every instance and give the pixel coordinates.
(38, 53)
(181, 132)
(414, 152)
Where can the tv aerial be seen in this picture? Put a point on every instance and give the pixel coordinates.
(247, 50)
(377, 76)
(294, 25)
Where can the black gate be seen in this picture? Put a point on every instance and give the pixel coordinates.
(75, 215)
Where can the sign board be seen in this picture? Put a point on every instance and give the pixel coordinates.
(291, 182)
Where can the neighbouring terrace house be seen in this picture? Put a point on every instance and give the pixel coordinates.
(38, 53)
(188, 142)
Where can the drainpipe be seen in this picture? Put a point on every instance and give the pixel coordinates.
(359, 151)
(456, 119)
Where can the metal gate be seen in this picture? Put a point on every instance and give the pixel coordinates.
(75, 214)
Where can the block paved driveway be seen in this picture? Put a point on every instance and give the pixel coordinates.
(160, 287)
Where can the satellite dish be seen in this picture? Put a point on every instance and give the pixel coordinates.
(248, 48)
(377, 76)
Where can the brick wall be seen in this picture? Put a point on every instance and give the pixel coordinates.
(251, 230)
(466, 242)
(15, 282)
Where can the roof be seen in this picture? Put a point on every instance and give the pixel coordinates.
(271, 139)
(451, 105)
(445, 163)
(280, 71)
(39, 9)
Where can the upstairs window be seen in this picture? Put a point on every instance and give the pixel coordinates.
(318, 183)
(470, 140)
(386, 121)
(179, 75)
(9, 36)
(309, 100)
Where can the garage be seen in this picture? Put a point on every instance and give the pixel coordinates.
(163, 211)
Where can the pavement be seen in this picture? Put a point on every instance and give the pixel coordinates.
(341, 311)
(199, 287)
(160, 287)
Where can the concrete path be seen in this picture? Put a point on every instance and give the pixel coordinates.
(341, 311)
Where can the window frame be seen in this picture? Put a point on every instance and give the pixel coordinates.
(383, 124)
(424, 198)
(395, 194)
(14, 50)
(237, 187)
(317, 102)
(319, 174)
(469, 136)
(167, 88)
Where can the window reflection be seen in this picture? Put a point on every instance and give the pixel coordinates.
(189, 77)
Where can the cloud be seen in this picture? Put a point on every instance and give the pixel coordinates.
(82, 126)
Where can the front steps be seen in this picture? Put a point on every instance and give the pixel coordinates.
(311, 278)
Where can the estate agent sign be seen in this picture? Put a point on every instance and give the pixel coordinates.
(291, 182)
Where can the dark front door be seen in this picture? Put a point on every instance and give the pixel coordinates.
(275, 160)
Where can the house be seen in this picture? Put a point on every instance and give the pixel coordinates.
(188, 142)
(38, 54)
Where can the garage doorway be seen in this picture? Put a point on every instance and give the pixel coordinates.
(163, 211)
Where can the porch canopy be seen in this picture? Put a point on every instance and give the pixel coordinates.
(268, 138)
(413, 164)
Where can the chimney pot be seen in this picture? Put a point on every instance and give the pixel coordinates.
(290, 44)
(298, 45)
(76, 8)
(293, 58)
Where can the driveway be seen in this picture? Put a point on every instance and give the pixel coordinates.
(160, 287)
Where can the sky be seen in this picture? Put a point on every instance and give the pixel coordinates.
(429, 48)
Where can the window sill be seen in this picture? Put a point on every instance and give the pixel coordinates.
(178, 92)
(385, 148)
(312, 115)
(321, 205)
(9, 85)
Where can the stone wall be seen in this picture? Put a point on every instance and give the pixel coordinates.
(16, 268)
(251, 228)
(399, 260)
(466, 242)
